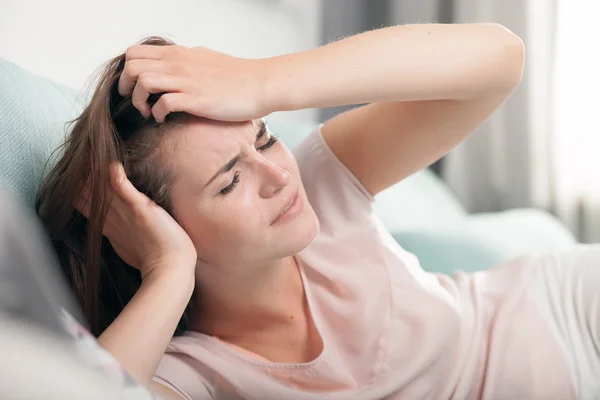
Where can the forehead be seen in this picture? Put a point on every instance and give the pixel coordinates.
(202, 146)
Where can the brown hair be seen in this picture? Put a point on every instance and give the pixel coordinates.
(109, 129)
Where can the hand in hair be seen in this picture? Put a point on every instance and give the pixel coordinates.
(143, 234)
(197, 80)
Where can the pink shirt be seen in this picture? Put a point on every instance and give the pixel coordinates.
(390, 330)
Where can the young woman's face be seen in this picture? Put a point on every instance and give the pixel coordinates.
(232, 210)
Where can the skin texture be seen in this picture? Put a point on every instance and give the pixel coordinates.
(244, 260)
(242, 218)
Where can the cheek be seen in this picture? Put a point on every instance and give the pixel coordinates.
(230, 226)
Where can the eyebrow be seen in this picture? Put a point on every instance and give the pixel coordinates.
(262, 129)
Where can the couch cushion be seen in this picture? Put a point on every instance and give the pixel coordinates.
(420, 201)
(523, 230)
(485, 239)
(449, 249)
(33, 112)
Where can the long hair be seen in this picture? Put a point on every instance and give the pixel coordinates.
(109, 129)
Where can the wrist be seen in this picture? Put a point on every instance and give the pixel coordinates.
(169, 270)
(179, 283)
(275, 83)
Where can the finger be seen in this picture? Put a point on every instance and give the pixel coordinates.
(118, 209)
(82, 202)
(109, 228)
(147, 51)
(84, 209)
(123, 186)
(82, 205)
(153, 83)
(171, 102)
(117, 213)
(133, 69)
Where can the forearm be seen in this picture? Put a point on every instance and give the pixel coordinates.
(139, 336)
(400, 63)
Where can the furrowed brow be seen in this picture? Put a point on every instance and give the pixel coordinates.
(262, 129)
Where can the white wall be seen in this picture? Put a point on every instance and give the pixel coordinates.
(67, 40)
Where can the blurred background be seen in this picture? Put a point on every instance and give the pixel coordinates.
(539, 150)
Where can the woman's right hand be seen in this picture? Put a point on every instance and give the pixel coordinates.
(142, 233)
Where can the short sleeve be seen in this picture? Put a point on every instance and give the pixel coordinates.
(334, 192)
(177, 372)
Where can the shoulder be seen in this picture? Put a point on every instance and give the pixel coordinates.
(313, 154)
(182, 374)
(335, 194)
(197, 367)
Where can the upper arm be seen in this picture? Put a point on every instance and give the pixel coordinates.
(180, 376)
(164, 392)
(383, 143)
(169, 394)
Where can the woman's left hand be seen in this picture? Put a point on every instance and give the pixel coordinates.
(196, 80)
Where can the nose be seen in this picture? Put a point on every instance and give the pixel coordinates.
(273, 178)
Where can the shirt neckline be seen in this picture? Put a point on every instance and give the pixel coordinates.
(253, 358)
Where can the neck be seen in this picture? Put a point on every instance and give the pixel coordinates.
(233, 301)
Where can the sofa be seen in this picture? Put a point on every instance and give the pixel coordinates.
(63, 359)
(421, 212)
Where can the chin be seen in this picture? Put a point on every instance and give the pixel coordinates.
(298, 234)
(305, 231)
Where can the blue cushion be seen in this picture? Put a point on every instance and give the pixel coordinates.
(420, 201)
(33, 112)
(449, 249)
(484, 240)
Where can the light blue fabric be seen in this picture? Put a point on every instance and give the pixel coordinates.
(33, 112)
(421, 212)
(484, 240)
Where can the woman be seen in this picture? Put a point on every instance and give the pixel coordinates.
(269, 267)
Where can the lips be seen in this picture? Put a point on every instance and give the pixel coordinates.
(287, 204)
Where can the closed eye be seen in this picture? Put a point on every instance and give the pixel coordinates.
(270, 143)
(232, 185)
(236, 177)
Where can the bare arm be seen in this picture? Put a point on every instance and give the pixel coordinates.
(164, 392)
(431, 85)
(139, 336)
(147, 238)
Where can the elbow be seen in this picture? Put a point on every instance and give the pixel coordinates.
(500, 55)
(512, 60)
(516, 51)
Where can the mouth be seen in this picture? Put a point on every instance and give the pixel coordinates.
(291, 209)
